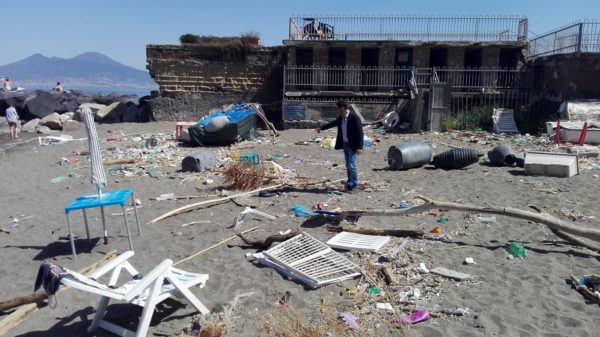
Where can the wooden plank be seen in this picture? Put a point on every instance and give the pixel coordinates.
(24, 311)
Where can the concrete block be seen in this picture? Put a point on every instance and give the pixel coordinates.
(560, 165)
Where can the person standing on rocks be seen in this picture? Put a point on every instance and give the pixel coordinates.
(350, 138)
(58, 87)
(13, 121)
(7, 84)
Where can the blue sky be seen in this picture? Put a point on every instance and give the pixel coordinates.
(122, 28)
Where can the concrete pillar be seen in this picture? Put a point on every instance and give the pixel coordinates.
(291, 56)
(490, 57)
(353, 60)
(421, 56)
(456, 57)
(386, 60)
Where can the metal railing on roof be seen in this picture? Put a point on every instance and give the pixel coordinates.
(578, 37)
(435, 28)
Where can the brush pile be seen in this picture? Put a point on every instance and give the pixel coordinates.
(244, 176)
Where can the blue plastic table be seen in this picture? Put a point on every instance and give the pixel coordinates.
(111, 198)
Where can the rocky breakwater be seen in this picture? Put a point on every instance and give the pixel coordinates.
(42, 111)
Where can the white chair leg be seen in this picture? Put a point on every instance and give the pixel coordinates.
(148, 311)
(188, 294)
(100, 311)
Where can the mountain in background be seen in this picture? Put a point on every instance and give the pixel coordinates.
(88, 70)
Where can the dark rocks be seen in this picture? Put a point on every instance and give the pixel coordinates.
(39, 104)
(43, 103)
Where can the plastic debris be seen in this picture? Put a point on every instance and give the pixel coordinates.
(374, 291)
(416, 317)
(385, 307)
(301, 211)
(451, 274)
(517, 250)
(485, 219)
(469, 260)
(422, 268)
(350, 320)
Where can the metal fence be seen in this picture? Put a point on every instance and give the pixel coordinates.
(579, 37)
(346, 78)
(386, 79)
(440, 28)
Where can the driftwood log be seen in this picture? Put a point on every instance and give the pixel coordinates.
(266, 243)
(375, 231)
(567, 231)
(212, 201)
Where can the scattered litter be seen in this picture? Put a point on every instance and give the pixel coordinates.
(455, 311)
(240, 218)
(436, 230)
(166, 196)
(485, 219)
(350, 320)
(451, 274)
(416, 317)
(517, 250)
(413, 294)
(374, 291)
(59, 179)
(309, 261)
(53, 140)
(469, 260)
(354, 241)
(385, 307)
(422, 268)
(301, 211)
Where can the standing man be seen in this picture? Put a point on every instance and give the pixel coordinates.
(13, 121)
(350, 138)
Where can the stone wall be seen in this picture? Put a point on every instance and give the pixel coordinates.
(558, 78)
(194, 79)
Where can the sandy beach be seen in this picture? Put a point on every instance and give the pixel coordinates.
(506, 297)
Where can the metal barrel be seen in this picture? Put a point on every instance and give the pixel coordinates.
(502, 154)
(408, 155)
(456, 158)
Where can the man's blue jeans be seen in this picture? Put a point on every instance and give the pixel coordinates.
(351, 168)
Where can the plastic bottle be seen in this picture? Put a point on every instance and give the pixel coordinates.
(517, 250)
(485, 219)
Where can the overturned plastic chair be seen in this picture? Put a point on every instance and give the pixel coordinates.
(159, 284)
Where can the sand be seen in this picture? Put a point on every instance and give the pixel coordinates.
(508, 297)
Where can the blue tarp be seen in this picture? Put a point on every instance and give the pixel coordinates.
(236, 114)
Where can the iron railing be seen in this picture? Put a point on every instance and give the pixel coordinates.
(389, 79)
(578, 37)
(484, 79)
(440, 28)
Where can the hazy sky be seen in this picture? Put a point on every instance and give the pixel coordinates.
(121, 29)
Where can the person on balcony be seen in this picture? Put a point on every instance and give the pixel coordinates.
(350, 138)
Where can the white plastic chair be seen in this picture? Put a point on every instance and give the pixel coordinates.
(147, 291)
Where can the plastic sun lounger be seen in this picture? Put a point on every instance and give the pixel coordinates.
(159, 284)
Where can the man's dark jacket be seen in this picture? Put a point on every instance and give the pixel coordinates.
(355, 132)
